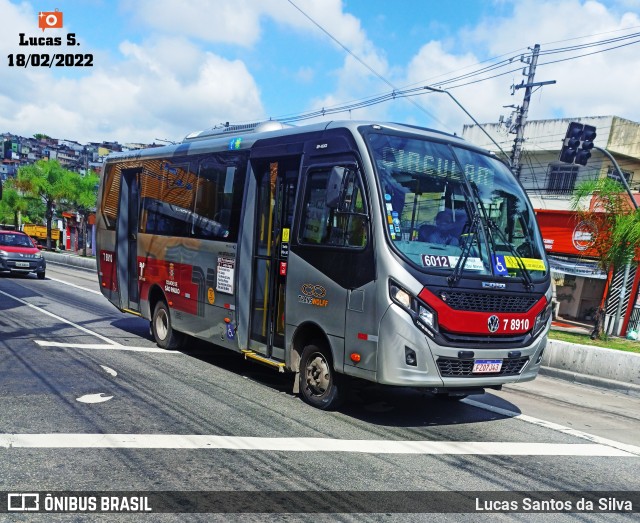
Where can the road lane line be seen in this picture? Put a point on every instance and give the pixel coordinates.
(631, 449)
(187, 441)
(76, 286)
(98, 346)
(110, 342)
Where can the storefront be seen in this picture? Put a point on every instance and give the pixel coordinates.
(580, 284)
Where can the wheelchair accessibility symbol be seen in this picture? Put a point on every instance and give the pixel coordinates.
(500, 266)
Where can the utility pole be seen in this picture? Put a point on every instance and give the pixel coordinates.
(521, 117)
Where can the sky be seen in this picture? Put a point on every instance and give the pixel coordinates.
(162, 69)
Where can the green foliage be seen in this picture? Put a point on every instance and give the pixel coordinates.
(617, 219)
(12, 204)
(605, 342)
(49, 182)
(85, 192)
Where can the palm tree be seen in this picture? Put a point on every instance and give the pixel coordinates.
(618, 225)
(48, 181)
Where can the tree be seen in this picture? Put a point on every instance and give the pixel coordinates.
(48, 181)
(618, 225)
(83, 198)
(12, 205)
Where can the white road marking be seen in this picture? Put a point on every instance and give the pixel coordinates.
(186, 441)
(94, 398)
(624, 447)
(60, 319)
(112, 345)
(76, 286)
(98, 346)
(109, 370)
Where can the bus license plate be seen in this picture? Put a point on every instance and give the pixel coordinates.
(486, 366)
(22, 264)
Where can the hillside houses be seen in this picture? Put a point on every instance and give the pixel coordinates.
(16, 151)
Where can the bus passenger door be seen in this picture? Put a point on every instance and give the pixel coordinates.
(276, 191)
(127, 239)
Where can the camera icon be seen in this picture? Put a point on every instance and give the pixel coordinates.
(50, 19)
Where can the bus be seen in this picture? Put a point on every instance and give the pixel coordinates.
(390, 253)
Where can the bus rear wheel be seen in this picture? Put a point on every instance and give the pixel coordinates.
(163, 332)
(320, 385)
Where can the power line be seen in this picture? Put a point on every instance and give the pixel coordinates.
(369, 68)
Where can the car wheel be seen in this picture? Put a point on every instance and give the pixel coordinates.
(163, 332)
(320, 385)
(41, 275)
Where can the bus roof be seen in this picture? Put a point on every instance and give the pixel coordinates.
(242, 137)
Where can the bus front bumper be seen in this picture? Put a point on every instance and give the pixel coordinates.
(408, 357)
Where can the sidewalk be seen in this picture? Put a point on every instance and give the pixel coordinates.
(607, 368)
(563, 324)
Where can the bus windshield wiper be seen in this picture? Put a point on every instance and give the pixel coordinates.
(528, 280)
(466, 249)
(491, 227)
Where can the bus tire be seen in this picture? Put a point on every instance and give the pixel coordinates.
(320, 385)
(163, 332)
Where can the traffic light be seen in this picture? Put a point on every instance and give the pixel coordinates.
(571, 142)
(588, 135)
(578, 143)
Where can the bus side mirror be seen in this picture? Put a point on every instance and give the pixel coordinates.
(335, 187)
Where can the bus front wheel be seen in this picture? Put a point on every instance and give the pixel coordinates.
(319, 383)
(163, 332)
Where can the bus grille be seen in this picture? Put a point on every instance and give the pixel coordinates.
(453, 368)
(468, 301)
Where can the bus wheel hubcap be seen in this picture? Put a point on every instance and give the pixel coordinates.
(161, 325)
(318, 374)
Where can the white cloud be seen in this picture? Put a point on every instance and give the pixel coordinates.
(601, 84)
(180, 78)
(164, 87)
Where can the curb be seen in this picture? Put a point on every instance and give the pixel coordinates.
(593, 381)
(610, 369)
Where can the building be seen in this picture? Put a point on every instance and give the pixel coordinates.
(550, 184)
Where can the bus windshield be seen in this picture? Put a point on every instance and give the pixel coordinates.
(454, 210)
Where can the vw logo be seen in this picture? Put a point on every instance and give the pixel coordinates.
(493, 323)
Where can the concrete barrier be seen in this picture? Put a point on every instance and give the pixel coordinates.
(73, 260)
(613, 369)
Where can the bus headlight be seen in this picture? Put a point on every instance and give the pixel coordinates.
(542, 319)
(427, 317)
(422, 315)
(400, 296)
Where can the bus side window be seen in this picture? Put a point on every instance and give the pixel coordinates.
(111, 195)
(219, 195)
(322, 225)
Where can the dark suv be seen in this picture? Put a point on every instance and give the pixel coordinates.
(19, 254)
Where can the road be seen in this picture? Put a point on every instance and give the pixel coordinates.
(90, 404)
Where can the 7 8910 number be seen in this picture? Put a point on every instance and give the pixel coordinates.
(515, 324)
